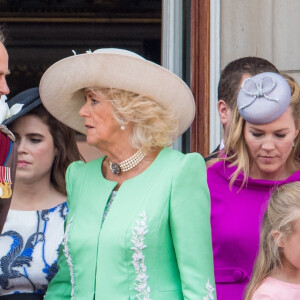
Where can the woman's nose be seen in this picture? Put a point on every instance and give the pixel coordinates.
(21, 146)
(268, 144)
(83, 111)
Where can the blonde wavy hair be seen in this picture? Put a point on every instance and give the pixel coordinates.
(153, 125)
(236, 148)
(278, 223)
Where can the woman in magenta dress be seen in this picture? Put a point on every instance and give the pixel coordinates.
(262, 152)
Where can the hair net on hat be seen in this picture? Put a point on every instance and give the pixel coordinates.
(263, 98)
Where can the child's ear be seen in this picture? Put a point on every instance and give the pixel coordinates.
(278, 240)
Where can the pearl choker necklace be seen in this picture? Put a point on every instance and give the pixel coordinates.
(127, 164)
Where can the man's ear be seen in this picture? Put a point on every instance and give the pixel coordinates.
(224, 111)
(278, 239)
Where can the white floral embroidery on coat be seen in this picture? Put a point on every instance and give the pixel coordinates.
(68, 256)
(138, 259)
(210, 291)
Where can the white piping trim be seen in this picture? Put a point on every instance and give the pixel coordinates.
(68, 256)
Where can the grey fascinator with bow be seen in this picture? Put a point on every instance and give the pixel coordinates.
(263, 98)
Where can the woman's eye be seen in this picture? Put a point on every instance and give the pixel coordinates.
(255, 134)
(35, 141)
(281, 136)
(94, 101)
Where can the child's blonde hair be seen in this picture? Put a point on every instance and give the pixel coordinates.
(278, 222)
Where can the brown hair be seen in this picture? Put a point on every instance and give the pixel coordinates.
(232, 74)
(283, 210)
(64, 140)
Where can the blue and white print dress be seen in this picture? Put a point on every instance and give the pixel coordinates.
(29, 246)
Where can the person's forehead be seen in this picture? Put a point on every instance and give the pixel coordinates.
(3, 51)
(3, 60)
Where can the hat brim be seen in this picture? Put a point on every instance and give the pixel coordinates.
(61, 86)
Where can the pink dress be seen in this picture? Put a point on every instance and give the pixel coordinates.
(274, 289)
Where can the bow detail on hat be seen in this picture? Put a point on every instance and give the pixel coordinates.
(257, 90)
(87, 51)
(5, 111)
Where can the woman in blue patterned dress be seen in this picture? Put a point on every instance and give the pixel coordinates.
(33, 230)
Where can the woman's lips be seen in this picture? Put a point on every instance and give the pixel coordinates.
(88, 126)
(267, 159)
(22, 163)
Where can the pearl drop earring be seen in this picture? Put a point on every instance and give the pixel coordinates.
(123, 122)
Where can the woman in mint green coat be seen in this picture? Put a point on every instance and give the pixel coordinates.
(139, 217)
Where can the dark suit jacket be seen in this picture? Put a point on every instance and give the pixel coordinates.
(214, 154)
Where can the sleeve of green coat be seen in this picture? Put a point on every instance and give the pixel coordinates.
(190, 226)
(60, 288)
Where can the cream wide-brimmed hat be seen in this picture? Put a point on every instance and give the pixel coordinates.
(61, 86)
